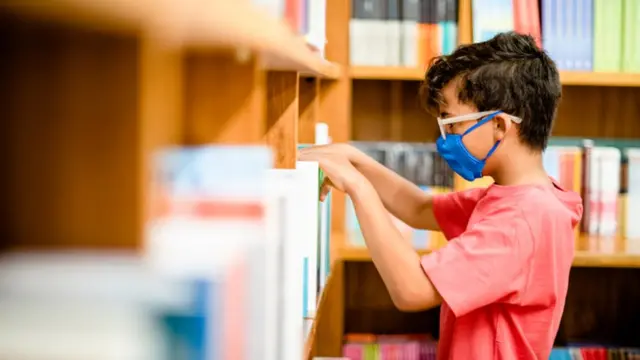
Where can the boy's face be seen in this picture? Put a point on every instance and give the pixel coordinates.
(479, 141)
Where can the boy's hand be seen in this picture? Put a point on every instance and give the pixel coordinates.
(334, 160)
(351, 153)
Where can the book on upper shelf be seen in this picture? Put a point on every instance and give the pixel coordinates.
(579, 35)
(401, 32)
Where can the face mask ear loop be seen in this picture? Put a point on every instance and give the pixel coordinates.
(495, 146)
(480, 123)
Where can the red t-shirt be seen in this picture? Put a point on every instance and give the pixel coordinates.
(505, 271)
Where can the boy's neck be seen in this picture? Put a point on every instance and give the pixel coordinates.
(521, 167)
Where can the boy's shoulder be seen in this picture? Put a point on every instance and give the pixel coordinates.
(534, 203)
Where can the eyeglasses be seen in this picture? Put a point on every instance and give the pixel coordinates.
(473, 116)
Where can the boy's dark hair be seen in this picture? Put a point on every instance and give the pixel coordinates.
(508, 73)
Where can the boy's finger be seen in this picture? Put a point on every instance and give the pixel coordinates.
(324, 191)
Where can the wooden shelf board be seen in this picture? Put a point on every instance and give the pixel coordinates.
(579, 78)
(241, 26)
(385, 73)
(590, 252)
(361, 253)
(568, 78)
(114, 15)
(221, 25)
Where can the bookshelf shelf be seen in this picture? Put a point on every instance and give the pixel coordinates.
(599, 79)
(567, 78)
(117, 16)
(385, 73)
(606, 253)
(241, 26)
(223, 25)
(590, 252)
(353, 253)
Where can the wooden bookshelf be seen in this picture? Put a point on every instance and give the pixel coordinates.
(568, 78)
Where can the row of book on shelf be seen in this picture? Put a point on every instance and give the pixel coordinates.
(424, 347)
(235, 256)
(580, 35)
(605, 172)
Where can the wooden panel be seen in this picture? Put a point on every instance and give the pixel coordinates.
(602, 307)
(282, 117)
(599, 112)
(309, 110)
(417, 124)
(70, 138)
(224, 99)
(371, 111)
(369, 309)
(161, 108)
(325, 338)
(390, 111)
(397, 110)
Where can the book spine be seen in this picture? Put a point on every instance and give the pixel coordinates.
(409, 42)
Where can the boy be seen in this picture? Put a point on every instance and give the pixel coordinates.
(502, 278)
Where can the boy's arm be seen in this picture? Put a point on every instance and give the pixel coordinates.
(400, 197)
(396, 261)
(475, 269)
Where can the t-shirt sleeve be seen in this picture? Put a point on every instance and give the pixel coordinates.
(453, 210)
(486, 264)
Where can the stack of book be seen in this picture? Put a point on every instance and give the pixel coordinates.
(418, 163)
(402, 32)
(590, 352)
(370, 346)
(579, 35)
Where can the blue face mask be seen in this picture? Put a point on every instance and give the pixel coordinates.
(453, 151)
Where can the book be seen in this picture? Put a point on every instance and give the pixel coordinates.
(207, 228)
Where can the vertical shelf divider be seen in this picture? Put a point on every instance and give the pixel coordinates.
(282, 117)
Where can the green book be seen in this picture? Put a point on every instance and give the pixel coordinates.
(607, 35)
(631, 36)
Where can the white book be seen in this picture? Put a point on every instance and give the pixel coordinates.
(368, 33)
(316, 13)
(309, 215)
(595, 192)
(633, 195)
(284, 301)
(409, 33)
(322, 138)
(607, 187)
(85, 306)
(209, 228)
(393, 33)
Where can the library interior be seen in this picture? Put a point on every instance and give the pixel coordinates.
(228, 254)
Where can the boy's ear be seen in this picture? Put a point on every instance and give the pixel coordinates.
(501, 125)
